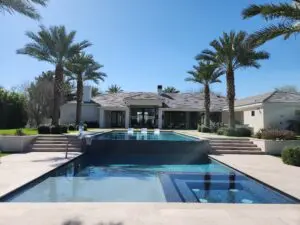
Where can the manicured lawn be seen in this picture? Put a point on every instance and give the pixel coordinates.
(3, 154)
(27, 131)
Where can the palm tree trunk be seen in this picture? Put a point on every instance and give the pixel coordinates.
(230, 96)
(58, 83)
(79, 95)
(207, 105)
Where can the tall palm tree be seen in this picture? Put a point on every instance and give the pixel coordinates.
(231, 52)
(82, 67)
(205, 73)
(54, 45)
(25, 7)
(288, 15)
(96, 91)
(170, 89)
(114, 89)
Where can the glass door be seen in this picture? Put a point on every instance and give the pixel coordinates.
(144, 117)
(117, 119)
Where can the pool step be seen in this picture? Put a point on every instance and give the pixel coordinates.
(56, 143)
(233, 146)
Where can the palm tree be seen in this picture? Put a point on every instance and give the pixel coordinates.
(54, 45)
(25, 7)
(170, 89)
(82, 67)
(95, 91)
(288, 15)
(231, 52)
(114, 89)
(206, 74)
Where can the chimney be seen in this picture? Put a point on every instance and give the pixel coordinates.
(87, 94)
(159, 89)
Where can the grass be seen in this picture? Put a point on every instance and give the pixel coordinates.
(27, 131)
(3, 154)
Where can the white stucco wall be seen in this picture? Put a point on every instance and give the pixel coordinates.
(273, 147)
(277, 114)
(255, 121)
(238, 117)
(90, 112)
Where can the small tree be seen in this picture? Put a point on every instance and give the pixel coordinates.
(82, 67)
(170, 89)
(114, 89)
(206, 74)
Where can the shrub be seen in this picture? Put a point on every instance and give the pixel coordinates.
(44, 129)
(291, 156)
(221, 131)
(55, 130)
(19, 132)
(273, 134)
(63, 129)
(72, 127)
(92, 124)
(243, 132)
(205, 129)
(235, 132)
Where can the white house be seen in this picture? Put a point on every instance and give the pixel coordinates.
(181, 110)
(269, 110)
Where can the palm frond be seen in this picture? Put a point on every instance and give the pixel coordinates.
(273, 11)
(54, 45)
(25, 7)
(274, 31)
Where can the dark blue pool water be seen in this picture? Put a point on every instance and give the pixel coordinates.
(149, 136)
(143, 179)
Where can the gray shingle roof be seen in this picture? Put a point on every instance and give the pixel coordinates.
(170, 100)
(276, 96)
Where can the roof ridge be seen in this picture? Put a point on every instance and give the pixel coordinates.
(270, 96)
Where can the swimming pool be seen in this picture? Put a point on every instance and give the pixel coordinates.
(149, 136)
(92, 178)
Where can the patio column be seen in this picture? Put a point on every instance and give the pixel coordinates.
(127, 118)
(160, 122)
(102, 118)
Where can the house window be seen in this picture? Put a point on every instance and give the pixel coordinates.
(252, 113)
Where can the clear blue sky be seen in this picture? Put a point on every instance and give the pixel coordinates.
(143, 43)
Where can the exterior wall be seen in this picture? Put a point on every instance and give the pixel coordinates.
(276, 115)
(273, 147)
(238, 117)
(90, 112)
(255, 121)
(15, 143)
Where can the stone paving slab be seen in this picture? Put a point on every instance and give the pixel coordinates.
(148, 214)
(18, 169)
(268, 169)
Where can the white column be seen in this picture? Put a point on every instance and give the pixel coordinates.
(160, 121)
(102, 118)
(127, 118)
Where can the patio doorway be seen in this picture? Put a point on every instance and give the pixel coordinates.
(144, 117)
(117, 119)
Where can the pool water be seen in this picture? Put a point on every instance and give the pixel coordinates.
(149, 136)
(138, 179)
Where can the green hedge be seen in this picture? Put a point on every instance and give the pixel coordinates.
(12, 110)
(291, 156)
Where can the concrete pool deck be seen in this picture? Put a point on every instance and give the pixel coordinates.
(18, 169)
